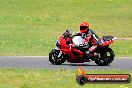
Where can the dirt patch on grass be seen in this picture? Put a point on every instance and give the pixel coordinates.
(124, 38)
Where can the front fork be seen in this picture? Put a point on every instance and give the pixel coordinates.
(60, 53)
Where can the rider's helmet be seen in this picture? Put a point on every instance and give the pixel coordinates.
(84, 27)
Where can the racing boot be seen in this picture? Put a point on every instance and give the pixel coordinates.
(91, 49)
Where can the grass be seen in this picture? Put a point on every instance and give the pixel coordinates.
(31, 27)
(122, 48)
(42, 78)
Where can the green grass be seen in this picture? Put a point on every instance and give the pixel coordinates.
(42, 78)
(122, 48)
(31, 27)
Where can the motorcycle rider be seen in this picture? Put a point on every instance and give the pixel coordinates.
(90, 37)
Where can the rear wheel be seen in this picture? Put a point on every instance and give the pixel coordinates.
(105, 57)
(56, 57)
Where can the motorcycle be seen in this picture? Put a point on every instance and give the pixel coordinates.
(63, 52)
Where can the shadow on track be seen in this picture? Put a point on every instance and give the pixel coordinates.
(76, 64)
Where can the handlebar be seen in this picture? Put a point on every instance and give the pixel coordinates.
(67, 33)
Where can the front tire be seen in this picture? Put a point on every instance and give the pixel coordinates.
(54, 59)
(106, 57)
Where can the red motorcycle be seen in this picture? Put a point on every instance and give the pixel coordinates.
(102, 56)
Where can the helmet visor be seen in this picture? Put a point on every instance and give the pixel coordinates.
(83, 27)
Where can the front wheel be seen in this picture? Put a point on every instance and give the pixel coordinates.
(56, 57)
(106, 56)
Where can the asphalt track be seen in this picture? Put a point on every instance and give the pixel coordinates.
(34, 62)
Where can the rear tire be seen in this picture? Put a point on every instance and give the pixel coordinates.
(106, 57)
(54, 59)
